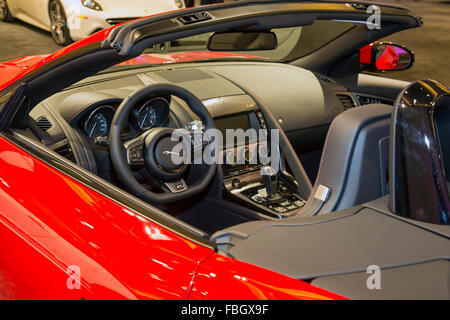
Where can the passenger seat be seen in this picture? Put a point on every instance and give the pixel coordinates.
(354, 168)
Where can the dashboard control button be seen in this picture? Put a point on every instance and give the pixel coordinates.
(280, 209)
(299, 203)
(135, 155)
(176, 187)
(258, 199)
(195, 125)
(236, 183)
(284, 190)
(102, 141)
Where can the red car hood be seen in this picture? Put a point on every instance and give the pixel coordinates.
(12, 70)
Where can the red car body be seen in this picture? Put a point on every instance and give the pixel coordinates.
(120, 253)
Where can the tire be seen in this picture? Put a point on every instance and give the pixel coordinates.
(58, 23)
(5, 14)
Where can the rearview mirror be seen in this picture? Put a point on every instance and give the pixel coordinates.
(386, 56)
(242, 41)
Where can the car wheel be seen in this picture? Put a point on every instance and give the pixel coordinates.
(58, 24)
(5, 14)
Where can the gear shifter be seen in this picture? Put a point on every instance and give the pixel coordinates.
(271, 180)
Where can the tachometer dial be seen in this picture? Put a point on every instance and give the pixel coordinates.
(153, 113)
(147, 117)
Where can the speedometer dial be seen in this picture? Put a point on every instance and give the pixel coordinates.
(98, 122)
(97, 126)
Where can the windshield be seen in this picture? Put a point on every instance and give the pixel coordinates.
(293, 43)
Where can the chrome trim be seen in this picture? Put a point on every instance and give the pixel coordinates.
(229, 105)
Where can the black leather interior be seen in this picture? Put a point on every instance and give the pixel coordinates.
(286, 148)
(354, 164)
(335, 249)
(354, 167)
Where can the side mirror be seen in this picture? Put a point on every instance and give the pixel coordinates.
(242, 41)
(386, 56)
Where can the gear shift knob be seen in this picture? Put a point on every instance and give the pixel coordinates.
(271, 180)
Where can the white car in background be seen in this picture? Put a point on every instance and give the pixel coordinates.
(70, 20)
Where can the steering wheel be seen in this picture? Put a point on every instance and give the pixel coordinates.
(153, 150)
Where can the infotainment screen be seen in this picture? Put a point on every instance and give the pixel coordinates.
(239, 121)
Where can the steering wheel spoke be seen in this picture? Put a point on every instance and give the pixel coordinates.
(176, 187)
(135, 150)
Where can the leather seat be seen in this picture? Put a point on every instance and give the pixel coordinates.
(354, 167)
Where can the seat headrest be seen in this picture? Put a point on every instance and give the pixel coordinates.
(420, 153)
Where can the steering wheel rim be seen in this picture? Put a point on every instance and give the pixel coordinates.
(119, 154)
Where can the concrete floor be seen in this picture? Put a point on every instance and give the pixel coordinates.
(19, 39)
(431, 43)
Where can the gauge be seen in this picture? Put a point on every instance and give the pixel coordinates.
(153, 113)
(99, 122)
(147, 117)
(97, 126)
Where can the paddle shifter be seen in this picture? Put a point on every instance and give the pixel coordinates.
(271, 180)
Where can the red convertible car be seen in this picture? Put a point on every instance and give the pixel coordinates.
(93, 205)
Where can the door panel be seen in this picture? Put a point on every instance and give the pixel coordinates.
(50, 225)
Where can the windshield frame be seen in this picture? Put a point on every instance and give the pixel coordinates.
(295, 50)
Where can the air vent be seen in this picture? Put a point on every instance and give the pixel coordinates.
(44, 124)
(325, 79)
(194, 18)
(368, 100)
(346, 101)
(66, 152)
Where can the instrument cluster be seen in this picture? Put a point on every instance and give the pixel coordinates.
(149, 114)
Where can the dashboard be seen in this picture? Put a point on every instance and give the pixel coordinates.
(76, 122)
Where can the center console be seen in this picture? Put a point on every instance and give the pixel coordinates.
(252, 191)
(269, 195)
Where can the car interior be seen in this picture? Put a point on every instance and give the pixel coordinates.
(335, 125)
(317, 162)
(76, 124)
